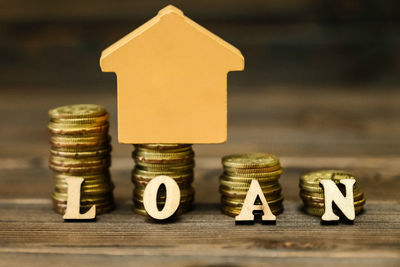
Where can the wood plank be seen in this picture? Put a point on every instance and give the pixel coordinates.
(27, 229)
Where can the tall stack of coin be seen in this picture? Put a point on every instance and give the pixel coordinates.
(80, 147)
(173, 160)
(240, 170)
(312, 193)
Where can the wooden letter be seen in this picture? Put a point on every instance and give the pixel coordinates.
(172, 197)
(333, 194)
(73, 201)
(246, 214)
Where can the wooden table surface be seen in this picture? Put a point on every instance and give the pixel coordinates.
(308, 128)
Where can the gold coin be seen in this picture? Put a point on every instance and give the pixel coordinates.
(56, 128)
(148, 175)
(245, 187)
(254, 160)
(272, 179)
(154, 173)
(84, 198)
(313, 178)
(273, 174)
(312, 198)
(166, 168)
(161, 162)
(104, 176)
(320, 211)
(241, 198)
(82, 154)
(163, 147)
(142, 155)
(243, 193)
(90, 121)
(239, 171)
(239, 203)
(87, 188)
(82, 162)
(357, 203)
(174, 150)
(68, 139)
(80, 145)
(86, 149)
(184, 202)
(265, 189)
(143, 183)
(79, 170)
(86, 185)
(77, 111)
(231, 184)
(188, 191)
(320, 189)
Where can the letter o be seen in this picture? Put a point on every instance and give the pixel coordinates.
(172, 197)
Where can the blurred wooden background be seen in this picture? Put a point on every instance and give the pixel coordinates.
(51, 43)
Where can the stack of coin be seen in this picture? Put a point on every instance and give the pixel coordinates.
(312, 193)
(173, 160)
(240, 170)
(80, 147)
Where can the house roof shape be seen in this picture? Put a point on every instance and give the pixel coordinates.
(172, 81)
(165, 11)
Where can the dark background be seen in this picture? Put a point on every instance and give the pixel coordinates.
(305, 42)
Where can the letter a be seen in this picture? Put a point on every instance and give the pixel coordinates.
(172, 197)
(73, 201)
(333, 194)
(246, 214)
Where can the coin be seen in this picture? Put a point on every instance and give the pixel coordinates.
(173, 160)
(77, 111)
(163, 147)
(312, 198)
(312, 193)
(320, 211)
(319, 189)
(273, 174)
(271, 179)
(242, 193)
(57, 128)
(77, 121)
(313, 178)
(81, 149)
(239, 172)
(239, 203)
(254, 160)
(100, 152)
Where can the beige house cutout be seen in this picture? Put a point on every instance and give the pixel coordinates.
(172, 81)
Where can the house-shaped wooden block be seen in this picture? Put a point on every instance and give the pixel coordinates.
(172, 81)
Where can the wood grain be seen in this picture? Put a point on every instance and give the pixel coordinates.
(338, 128)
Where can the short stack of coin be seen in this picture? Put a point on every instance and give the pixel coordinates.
(80, 147)
(312, 193)
(173, 160)
(240, 170)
